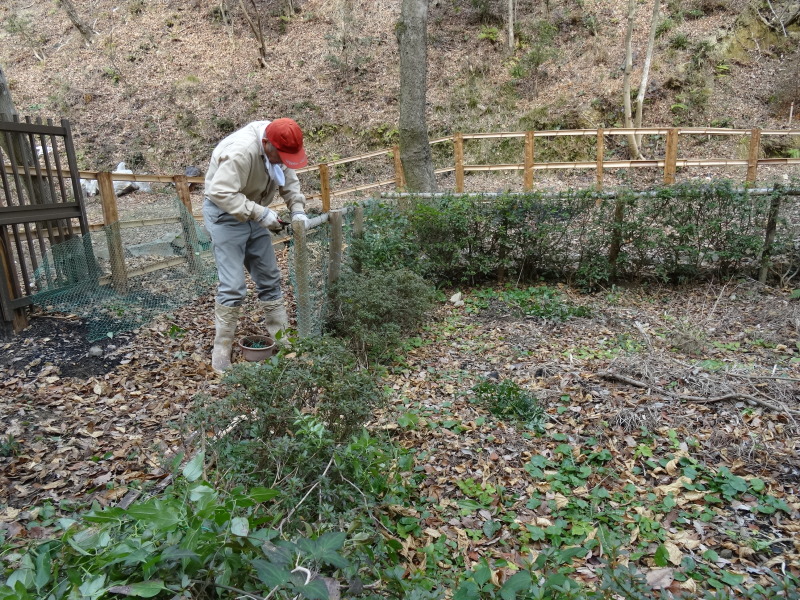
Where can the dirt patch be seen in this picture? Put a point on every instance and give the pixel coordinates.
(58, 345)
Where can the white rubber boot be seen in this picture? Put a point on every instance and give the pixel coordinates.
(275, 318)
(225, 319)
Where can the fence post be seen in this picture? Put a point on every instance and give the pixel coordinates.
(325, 187)
(358, 233)
(458, 150)
(528, 172)
(187, 220)
(116, 255)
(671, 158)
(616, 235)
(769, 237)
(399, 176)
(13, 320)
(752, 155)
(303, 299)
(335, 250)
(600, 152)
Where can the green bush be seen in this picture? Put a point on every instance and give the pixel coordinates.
(672, 234)
(373, 310)
(192, 541)
(507, 400)
(320, 377)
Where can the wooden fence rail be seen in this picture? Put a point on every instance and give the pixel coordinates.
(668, 164)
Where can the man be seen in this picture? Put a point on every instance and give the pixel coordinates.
(248, 169)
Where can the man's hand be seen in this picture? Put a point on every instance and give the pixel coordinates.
(269, 220)
(299, 215)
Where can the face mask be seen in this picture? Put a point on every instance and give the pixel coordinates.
(275, 172)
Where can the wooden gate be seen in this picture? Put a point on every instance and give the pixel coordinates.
(41, 206)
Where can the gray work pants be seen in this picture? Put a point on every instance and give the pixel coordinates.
(239, 246)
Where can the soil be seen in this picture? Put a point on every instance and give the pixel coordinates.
(58, 344)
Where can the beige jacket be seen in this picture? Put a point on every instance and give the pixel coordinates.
(237, 180)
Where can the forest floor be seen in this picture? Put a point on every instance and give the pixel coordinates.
(669, 415)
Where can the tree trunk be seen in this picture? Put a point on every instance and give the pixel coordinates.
(626, 81)
(7, 108)
(648, 59)
(19, 147)
(415, 150)
(82, 27)
(511, 26)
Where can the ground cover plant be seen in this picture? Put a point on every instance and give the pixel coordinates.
(538, 441)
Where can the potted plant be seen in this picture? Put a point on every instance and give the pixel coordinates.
(256, 348)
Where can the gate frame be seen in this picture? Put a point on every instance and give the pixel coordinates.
(14, 300)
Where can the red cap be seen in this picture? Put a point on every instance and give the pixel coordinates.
(287, 138)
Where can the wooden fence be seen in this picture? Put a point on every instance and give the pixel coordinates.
(668, 164)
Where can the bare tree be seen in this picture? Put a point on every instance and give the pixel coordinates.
(19, 147)
(626, 81)
(778, 14)
(511, 25)
(648, 60)
(7, 108)
(415, 149)
(635, 141)
(85, 30)
(253, 18)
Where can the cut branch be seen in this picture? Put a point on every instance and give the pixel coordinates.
(698, 399)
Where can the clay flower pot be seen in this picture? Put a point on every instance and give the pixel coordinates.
(256, 348)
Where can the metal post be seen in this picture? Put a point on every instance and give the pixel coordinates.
(335, 249)
(303, 298)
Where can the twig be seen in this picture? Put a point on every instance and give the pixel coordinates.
(303, 499)
(774, 377)
(698, 399)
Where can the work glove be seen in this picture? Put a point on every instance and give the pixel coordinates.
(299, 215)
(269, 220)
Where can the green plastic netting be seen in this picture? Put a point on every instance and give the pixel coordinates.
(168, 264)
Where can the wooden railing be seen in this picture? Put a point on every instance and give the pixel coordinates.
(669, 163)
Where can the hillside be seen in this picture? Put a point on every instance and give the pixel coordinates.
(162, 81)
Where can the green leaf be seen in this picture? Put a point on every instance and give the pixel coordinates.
(757, 484)
(662, 556)
(161, 514)
(141, 589)
(314, 590)
(93, 588)
(262, 494)
(331, 541)
(537, 533)
(270, 574)
(240, 526)
(467, 591)
(43, 568)
(482, 574)
(711, 555)
(194, 468)
(518, 582)
(732, 579)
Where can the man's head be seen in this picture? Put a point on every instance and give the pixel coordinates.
(283, 143)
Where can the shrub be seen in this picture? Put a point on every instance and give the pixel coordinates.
(507, 400)
(374, 309)
(320, 377)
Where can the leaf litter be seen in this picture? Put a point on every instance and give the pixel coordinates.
(672, 476)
